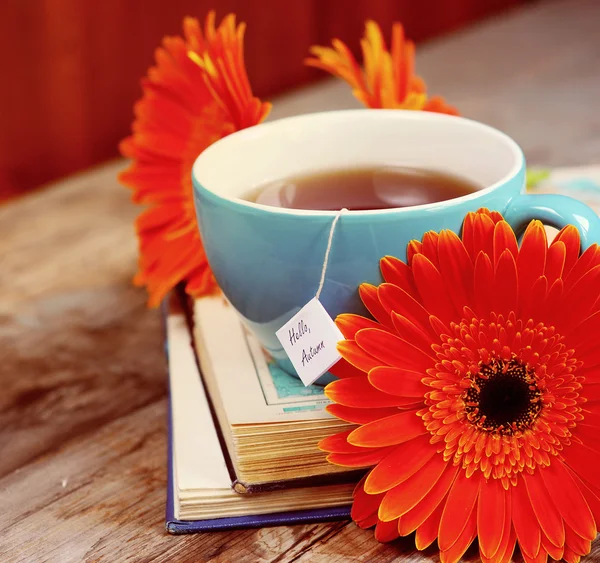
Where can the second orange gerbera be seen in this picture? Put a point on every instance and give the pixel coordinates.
(197, 93)
(388, 79)
(477, 394)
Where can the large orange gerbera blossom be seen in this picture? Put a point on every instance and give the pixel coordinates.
(477, 394)
(197, 93)
(388, 79)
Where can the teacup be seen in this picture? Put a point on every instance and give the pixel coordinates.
(268, 260)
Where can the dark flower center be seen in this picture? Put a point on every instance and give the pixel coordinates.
(503, 397)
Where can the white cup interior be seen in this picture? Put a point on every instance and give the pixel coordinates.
(305, 144)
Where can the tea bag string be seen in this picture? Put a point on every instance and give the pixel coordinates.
(328, 251)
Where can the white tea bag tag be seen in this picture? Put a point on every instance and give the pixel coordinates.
(310, 340)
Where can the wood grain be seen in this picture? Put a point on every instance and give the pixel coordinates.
(83, 380)
(73, 69)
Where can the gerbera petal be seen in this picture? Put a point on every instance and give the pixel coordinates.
(525, 522)
(359, 415)
(506, 546)
(405, 460)
(395, 429)
(407, 495)
(402, 52)
(459, 509)
(483, 234)
(386, 531)
(398, 273)
(468, 235)
(587, 431)
(367, 522)
(585, 332)
(505, 284)
(554, 551)
(569, 236)
(337, 443)
(358, 392)
(591, 494)
(576, 543)
(506, 550)
(567, 497)
(432, 500)
(413, 248)
(491, 516)
(483, 286)
(368, 295)
(410, 332)
(398, 381)
(555, 261)
(356, 356)
(393, 351)
(456, 268)
(583, 461)
(201, 282)
(504, 239)
(359, 460)
(344, 369)
(532, 258)
(364, 505)
(553, 299)
(495, 216)
(349, 324)
(533, 308)
(546, 513)
(465, 538)
(431, 288)
(437, 104)
(575, 306)
(570, 556)
(428, 530)
(591, 391)
(588, 260)
(429, 247)
(394, 298)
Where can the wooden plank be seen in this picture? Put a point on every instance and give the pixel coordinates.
(104, 497)
(82, 349)
(532, 73)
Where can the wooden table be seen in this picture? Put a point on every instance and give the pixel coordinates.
(83, 377)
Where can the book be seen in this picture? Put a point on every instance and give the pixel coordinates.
(271, 423)
(200, 491)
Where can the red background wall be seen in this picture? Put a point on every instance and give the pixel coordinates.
(72, 68)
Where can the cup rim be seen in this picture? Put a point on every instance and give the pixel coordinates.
(249, 132)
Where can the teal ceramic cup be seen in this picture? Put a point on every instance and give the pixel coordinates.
(268, 260)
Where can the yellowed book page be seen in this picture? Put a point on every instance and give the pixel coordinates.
(197, 456)
(251, 390)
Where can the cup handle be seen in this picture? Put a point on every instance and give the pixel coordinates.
(556, 211)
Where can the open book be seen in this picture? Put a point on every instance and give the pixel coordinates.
(200, 480)
(271, 422)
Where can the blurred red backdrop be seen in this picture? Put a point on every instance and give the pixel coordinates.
(72, 68)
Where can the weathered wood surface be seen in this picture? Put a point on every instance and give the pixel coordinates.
(82, 376)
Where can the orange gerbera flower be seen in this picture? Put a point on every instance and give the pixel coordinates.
(197, 93)
(388, 79)
(477, 394)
